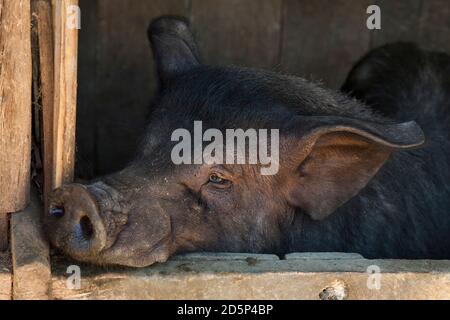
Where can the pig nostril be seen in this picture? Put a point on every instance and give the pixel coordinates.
(87, 228)
(57, 212)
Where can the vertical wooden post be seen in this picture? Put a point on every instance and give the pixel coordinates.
(4, 232)
(58, 45)
(42, 12)
(15, 108)
(65, 90)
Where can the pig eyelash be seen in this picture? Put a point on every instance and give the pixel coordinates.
(215, 178)
(218, 181)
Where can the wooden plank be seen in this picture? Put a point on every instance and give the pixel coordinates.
(323, 39)
(4, 232)
(42, 13)
(399, 21)
(65, 93)
(249, 278)
(434, 25)
(87, 90)
(15, 104)
(238, 32)
(124, 77)
(30, 253)
(5, 276)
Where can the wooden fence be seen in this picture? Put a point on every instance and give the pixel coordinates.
(38, 73)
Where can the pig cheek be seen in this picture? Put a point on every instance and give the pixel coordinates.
(194, 227)
(222, 201)
(114, 224)
(145, 239)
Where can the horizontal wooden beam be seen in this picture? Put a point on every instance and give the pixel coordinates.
(309, 276)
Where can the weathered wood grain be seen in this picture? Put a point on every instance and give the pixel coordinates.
(323, 39)
(42, 13)
(258, 277)
(65, 93)
(238, 32)
(30, 253)
(15, 104)
(4, 232)
(5, 276)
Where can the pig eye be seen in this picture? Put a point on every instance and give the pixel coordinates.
(216, 179)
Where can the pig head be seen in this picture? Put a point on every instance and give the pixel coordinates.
(330, 147)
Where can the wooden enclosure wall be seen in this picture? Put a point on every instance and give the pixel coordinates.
(316, 39)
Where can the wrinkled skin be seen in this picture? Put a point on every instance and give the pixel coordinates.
(347, 177)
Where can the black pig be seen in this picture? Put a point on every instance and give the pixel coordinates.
(350, 179)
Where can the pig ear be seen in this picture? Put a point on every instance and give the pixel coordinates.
(173, 46)
(337, 157)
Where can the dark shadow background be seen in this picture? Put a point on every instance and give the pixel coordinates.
(316, 39)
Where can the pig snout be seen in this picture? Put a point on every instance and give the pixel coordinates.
(74, 223)
(96, 223)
